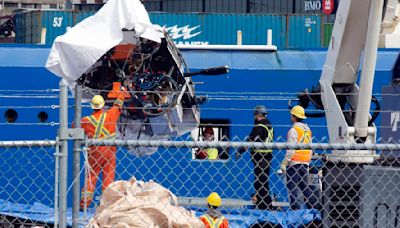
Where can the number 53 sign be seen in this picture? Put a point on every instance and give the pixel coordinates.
(57, 21)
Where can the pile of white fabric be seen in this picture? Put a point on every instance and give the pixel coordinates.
(73, 53)
(141, 204)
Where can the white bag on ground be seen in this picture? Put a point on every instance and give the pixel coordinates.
(141, 204)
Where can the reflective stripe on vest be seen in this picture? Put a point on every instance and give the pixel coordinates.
(269, 139)
(100, 132)
(213, 223)
(304, 136)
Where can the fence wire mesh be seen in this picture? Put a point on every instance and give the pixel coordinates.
(27, 180)
(255, 188)
(151, 172)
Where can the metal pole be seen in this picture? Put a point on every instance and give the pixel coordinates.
(56, 183)
(368, 68)
(63, 134)
(85, 184)
(76, 157)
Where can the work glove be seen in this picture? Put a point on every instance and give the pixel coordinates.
(124, 90)
(283, 166)
(118, 91)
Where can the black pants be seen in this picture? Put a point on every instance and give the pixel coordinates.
(262, 162)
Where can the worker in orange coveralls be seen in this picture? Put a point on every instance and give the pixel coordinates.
(102, 124)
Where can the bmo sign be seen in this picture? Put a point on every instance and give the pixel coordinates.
(327, 6)
(312, 5)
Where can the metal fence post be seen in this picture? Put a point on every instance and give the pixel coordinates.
(76, 157)
(63, 135)
(56, 182)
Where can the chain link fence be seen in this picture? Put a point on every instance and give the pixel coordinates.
(27, 177)
(334, 194)
(255, 190)
(29, 161)
(167, 183)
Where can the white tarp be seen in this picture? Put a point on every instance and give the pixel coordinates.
(141, 204)
(73, 53)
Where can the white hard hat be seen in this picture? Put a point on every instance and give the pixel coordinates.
(97, 102)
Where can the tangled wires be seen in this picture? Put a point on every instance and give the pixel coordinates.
(155, 92)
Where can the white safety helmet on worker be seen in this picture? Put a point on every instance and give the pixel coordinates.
(97, 102)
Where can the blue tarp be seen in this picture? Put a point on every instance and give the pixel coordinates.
(37, 212)
(237, 217)
(248, 217)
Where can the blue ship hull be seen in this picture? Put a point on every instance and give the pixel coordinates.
(252, 77)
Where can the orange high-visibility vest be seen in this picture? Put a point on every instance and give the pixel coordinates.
(103, 124)
(303, 136)
(209, 222)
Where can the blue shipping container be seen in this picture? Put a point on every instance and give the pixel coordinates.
(295, 31)
(190, 28)
(29, 25)
(222, 28)
(56, 23)
(304, 32)
(80, 16)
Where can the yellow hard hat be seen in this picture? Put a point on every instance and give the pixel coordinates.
(214, 199)
(298, 111)
(97, 102)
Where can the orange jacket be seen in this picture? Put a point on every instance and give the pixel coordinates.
(209, 222)
(103, 124)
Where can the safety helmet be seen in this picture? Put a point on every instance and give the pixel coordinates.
(298, 111)
(260, 110)
(97, 102)
(214, 199)
(208, 130)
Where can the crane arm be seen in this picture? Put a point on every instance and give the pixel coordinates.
(355, 39)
